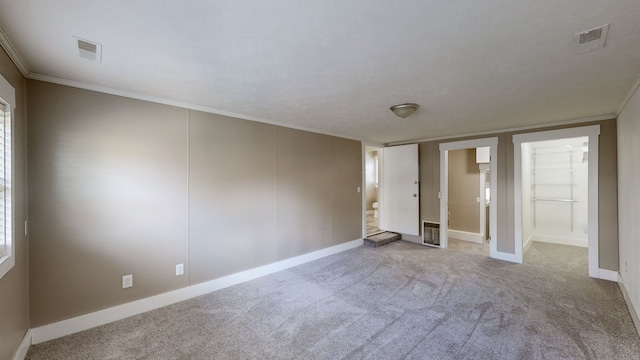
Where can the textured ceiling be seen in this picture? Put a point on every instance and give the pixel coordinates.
(337, 66)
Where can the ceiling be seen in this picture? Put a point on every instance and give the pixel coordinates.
(336, 66)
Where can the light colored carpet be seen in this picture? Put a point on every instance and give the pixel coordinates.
(469, 247)
(400, 301)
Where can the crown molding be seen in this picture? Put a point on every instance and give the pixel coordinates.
(7, 45)
(206, 109)
(630, 94)
(513, 129)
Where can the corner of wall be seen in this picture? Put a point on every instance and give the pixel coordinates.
(633, 310)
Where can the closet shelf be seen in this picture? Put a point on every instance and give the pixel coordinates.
(547, 153)
(555, 200)
(553, 184)
(552, 169)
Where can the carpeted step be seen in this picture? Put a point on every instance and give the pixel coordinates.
(381, 239)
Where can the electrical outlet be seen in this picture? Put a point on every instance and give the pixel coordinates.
(127, 281)
(626, 267)
(179, 269)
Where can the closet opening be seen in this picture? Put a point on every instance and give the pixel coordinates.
(556, 196)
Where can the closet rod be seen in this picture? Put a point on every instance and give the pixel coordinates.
(557, 200)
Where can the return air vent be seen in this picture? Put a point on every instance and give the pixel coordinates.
(592, 39)
(89, 50)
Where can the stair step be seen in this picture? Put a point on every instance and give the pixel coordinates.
(381, 239)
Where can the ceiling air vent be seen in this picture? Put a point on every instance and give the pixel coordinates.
(592, 39)
(89, 50)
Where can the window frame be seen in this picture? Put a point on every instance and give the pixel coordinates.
(8, 100)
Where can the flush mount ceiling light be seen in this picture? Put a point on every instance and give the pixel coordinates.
(404, 110)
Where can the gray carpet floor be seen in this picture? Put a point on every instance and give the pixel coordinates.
(399, 301)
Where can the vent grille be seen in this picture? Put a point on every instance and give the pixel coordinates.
(592, 35)
(89, 50)
(87, 46)
(592, 39)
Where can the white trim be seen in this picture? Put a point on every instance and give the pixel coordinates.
(483, 168)
(610, 275)
(364, 189)
(8, 93)
(561, 240)
(373, 143)
(492, 142)
(527, 245)
(7, 45)
(469, 144)
(630, 94)
(101, 317)
(8, 259)
(513, 129)
(184, 105)
(593, 132)
(570, 132)
(632, 309)
(477, 238)
(363, 186)
(21, 353)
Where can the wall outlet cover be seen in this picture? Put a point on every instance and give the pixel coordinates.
(127, 281)
(179, 269)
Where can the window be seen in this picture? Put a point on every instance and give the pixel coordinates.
(7, 244)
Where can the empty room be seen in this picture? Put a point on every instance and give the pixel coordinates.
(319, 179)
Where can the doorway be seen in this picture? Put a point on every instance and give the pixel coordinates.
(373, 199)
(467, 206)
(478, 205)
(556, 190)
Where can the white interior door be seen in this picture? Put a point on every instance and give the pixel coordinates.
(401, 189)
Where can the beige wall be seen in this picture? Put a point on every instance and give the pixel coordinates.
(464, 188)
(629, 198)
(122, 186)
(607, 188)
(14, 286)
(109, 182)
(232, 181)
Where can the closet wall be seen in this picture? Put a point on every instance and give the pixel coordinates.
(556, 196)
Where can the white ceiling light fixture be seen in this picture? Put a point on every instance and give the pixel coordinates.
(404, 110)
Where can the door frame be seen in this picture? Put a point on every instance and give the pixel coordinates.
(492, 143)
(593, 133)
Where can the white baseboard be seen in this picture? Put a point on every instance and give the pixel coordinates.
(465, 236)
(560, 240)
(527, 245)
(24, 347)
(84, 322)
(610, 275)
(632, 309)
